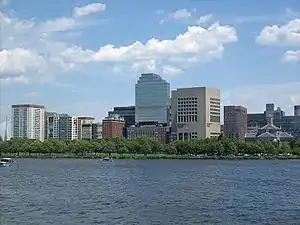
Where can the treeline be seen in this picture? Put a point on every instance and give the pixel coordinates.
(143, 145)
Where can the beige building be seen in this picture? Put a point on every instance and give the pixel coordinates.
(195, 113)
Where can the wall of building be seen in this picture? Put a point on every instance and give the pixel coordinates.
(202, 102)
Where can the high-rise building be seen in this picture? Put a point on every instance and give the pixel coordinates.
(235, 121)
(28, 121)
(68, 127)
(195, 113)
(83, 120)
(297, 110)
(112, 126)
(152, 99)
(52, 125)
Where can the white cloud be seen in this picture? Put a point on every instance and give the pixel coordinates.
(171, 70)
(284, 35)
(18, 61)
(288, 34)
(89, 9)
(255, 97)
(292, 56)
(181, 14)
(205, 19)
(195, 41)
(36, 50)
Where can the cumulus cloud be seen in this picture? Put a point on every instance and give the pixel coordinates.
(285, 35)
(37, 49)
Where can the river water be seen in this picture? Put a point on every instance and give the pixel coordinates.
(71, 192)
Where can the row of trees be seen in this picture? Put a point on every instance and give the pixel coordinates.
(143, 145)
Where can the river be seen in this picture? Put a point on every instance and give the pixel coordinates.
(145, 192)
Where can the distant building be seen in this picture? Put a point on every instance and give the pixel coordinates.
(195, 113)
(297, 110)
(128, 113)
(269, 132)
(256, 120)
(235, 122)
(97, 131)
(291, 124)
(28, 121)
(52, 125)
(92, 131)
(155, 131)
(68, 127)
(152, 99)
(112, 126)
(82, 120)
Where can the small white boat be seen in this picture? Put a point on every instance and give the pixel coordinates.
(4, 164)
(7, 160)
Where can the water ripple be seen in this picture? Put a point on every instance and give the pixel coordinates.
(152, 192)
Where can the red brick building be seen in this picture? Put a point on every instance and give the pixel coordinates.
(112, 126)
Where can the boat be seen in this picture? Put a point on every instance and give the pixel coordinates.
(106, 159)
(7, 160)
(4, 164)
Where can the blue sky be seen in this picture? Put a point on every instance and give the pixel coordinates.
(83, 57)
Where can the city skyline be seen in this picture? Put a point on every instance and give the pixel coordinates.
(84, 58)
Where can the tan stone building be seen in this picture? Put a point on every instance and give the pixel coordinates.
(195, 113)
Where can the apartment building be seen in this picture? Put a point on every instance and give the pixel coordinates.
(28, 121)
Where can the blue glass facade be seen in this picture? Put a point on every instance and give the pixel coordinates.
(152, 99)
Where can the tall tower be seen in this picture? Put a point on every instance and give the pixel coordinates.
(152, 99)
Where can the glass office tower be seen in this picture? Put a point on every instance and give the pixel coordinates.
(152, 99)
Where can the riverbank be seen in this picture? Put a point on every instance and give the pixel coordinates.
(150, 156)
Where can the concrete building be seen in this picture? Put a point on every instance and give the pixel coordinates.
(112, 126)
(82, 120)
(235, 122)
(28, 121)
(92, 131)
(128, 113)
(68, 127)
(297, 110)
(152, 99)
(52, 125)
(156, 131)
(195, 113)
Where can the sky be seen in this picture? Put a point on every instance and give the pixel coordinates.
(83, 57)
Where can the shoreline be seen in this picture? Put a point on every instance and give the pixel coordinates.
(149, 157)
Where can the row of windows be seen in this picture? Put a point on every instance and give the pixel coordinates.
(187, 119)
(187, 136)
(186, 99)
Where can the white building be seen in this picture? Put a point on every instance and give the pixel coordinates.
(152, 99)
(195, 113)
(28, 121)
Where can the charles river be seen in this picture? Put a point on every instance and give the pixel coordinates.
(79, 191)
